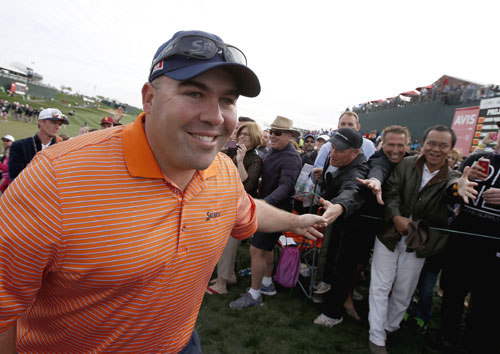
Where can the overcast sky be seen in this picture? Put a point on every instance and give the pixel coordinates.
(313, 58)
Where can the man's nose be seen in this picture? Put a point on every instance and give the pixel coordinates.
(213, 113)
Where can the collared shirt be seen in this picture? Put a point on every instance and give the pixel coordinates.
(100, 252)
(427, 176)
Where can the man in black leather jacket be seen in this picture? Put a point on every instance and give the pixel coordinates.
(345, 193)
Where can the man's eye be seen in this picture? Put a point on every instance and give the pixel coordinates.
(228, 100)
(194, 94)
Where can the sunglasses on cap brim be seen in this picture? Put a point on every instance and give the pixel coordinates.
(200, 47)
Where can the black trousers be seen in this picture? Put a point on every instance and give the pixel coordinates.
(472, 265)
(343, 256)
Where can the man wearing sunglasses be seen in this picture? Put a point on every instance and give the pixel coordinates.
(115, 234)
(279, 173)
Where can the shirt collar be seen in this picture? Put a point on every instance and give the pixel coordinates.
(139, 157)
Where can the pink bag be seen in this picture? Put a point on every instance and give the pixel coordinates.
(287, 273)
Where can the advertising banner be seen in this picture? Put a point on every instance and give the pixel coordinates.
(489, 114)
(464, 125)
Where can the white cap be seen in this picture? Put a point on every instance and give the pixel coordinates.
(9, 137)
(53, 114)
(324, 137)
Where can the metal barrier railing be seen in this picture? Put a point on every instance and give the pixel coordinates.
(441, 229)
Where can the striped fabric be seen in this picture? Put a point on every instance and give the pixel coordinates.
(99, 253)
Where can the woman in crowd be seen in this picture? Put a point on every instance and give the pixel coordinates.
(4, 167)
(454, 159)
(248, 137)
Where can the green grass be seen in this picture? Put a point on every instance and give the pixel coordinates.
(92, 116)
(285, 325)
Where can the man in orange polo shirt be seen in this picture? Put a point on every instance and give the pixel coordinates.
(114, 254)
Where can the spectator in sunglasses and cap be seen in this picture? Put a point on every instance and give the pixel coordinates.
(279, 174)
(123, 227)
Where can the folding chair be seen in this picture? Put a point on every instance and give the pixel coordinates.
(309, 251)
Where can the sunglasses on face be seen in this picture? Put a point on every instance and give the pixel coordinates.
(275, 132)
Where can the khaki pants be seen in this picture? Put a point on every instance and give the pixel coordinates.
(225, 267)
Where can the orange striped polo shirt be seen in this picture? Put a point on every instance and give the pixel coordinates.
(100, 253)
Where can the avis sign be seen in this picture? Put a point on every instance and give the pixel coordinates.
(464, 125)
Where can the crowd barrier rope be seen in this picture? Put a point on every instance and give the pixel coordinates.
(441, 229)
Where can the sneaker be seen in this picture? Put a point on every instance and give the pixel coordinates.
(322, 288)
(245, 301)
(318, 298)
(376, 349)
(326, 321)
(245, 272)
(268, 290)
(356, 296)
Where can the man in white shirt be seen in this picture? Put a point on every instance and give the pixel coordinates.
(416, 196)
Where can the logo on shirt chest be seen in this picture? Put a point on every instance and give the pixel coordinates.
(212, 215)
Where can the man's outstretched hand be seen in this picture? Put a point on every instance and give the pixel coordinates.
(465, 188)
(307, 225)
(375, 185)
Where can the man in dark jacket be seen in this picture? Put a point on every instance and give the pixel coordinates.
(22, 151)
(418, 189)
(395, 144)
(472, 264)
(345, 193)
(279, 173)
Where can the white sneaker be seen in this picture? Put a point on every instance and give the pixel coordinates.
(322, 288)
(356, 296)
(326, 321)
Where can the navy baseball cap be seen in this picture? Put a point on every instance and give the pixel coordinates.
(191, 53)
(347, 138)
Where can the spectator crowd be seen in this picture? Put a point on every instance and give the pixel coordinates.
(444, 92)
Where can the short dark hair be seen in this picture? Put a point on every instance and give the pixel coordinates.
(441, 128)
(245, 119)
(349, 113)
(396, 129)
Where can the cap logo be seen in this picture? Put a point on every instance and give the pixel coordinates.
(201, 47)
(343, 136)
(158, 66)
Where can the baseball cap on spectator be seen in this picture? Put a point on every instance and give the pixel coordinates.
(308, 136)
(107, 120)
(324, 137)
(8, 137)
(347, 138)
(191, 53)
(53, 114)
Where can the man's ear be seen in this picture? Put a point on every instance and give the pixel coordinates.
(148, 92)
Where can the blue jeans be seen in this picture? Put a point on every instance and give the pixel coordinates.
(193, 346)
(425, 287)
(426, 283)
